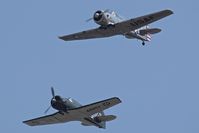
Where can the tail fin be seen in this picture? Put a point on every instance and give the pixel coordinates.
(102, 123)
(98, 120)
(104, 118)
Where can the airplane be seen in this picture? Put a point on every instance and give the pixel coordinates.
(71, 110)
(112, 24)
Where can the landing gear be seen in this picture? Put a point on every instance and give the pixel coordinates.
(143, 43)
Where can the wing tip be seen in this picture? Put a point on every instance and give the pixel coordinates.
(26, 122)
(169, 12)
(61, 37)
(118, 99)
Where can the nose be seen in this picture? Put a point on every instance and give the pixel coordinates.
(98, 15)
(56, 99)
(53, 101)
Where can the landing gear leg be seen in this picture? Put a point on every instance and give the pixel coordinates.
(143, 43)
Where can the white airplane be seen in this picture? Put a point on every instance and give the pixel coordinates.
(71, 110)
(112, 24)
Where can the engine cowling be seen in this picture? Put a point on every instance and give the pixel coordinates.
(58, 104)
(98, 15)
(100, 18)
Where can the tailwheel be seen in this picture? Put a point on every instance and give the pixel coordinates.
(143, 43)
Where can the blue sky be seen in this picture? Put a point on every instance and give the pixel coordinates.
(157, 83)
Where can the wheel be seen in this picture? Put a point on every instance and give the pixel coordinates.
(143, 43)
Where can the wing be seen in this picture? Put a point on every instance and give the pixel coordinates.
(89, 34)
(93, 108)
(50, 119)
(133, 24)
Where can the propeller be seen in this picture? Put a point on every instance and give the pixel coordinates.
(53, 94)
(89, 19)
(47, 109)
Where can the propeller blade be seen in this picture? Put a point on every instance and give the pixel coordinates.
(52, 91)
(47, 110)
(89, 19)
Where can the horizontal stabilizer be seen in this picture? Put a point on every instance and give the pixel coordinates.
(107, 117)
(149, 31)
